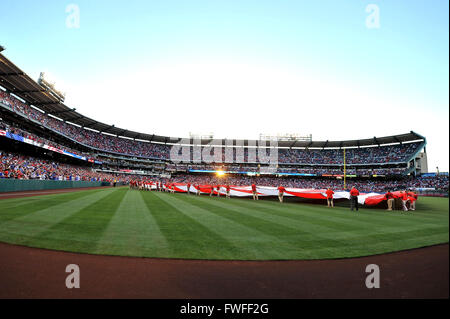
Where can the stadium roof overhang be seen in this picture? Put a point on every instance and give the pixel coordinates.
(19, 83)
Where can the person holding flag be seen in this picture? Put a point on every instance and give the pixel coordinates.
(281, 191)
(390, 199)
(218, 190)
(228, 190)
(405, 199)
(412, 200)
(197, 187)
(254, 192)
(330, 193)
(354, 193)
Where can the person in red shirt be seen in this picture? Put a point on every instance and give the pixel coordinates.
(218, 190)
(254, 192)
(354, 193)
(228, 191)
(330, 193)
(197, 187)
(404, 198)
(281, 191)
(211, 190)
(390, 199)
(188, 188)
(412, 200)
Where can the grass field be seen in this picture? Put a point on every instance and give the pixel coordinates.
(149, 224)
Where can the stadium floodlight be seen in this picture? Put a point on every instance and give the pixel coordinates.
(220, 173)
(2, 48)
(49, 85)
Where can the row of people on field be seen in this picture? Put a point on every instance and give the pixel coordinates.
(363, 185)
(408, 198)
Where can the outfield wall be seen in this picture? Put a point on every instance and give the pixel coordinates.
(16, 185)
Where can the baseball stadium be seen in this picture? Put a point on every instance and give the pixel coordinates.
(234, 218)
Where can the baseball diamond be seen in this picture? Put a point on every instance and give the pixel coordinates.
(126, 222)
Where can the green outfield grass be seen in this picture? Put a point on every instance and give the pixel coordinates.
(118, 221)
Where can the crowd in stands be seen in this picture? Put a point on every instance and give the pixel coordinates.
(437, 182)
(88, 137)
(26, 167)
(18, 166)
(382, 154)
(215, 167)
(288, 170)
(20, 132)
(108, 143)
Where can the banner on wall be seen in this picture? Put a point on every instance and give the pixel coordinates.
(22, 139)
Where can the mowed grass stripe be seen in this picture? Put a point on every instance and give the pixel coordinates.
(393, 225)
(244, 216)
(294, 233)
(386, 244)
(82, 229)
(326, 242)
(25, 206)
(255, 238)
(364, 218)
(349, 223)
(367, 245)
(14, 202)
(26, 226)
(312, 222)
(133, 230)
(306, 229)
(123, 222)
(186, 237)
(360, 249)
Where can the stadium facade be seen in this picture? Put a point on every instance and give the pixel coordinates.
(31, 114)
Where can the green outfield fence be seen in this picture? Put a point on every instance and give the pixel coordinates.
(15, 185)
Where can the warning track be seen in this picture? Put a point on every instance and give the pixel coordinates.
(38, 273)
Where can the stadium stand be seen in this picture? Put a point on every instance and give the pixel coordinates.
(369, 155)
(17, 166)
(29, 114)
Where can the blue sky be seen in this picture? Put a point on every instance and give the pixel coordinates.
(240, 68)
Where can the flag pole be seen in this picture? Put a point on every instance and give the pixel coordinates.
(345, 172)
